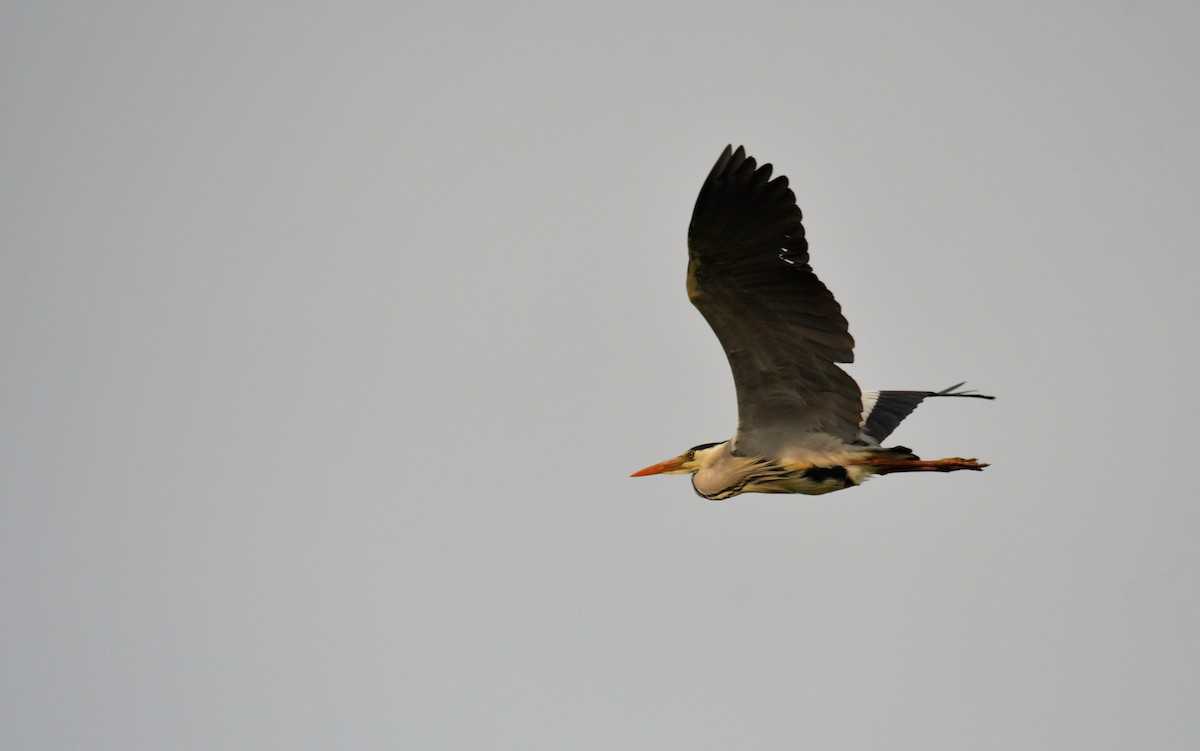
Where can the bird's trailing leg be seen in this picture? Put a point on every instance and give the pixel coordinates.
(885, 465)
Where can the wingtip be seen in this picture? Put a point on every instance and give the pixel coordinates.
(954, 391)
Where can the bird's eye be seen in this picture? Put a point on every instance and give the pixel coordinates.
(691, 454)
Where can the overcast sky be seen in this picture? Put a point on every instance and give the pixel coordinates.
(331, 334)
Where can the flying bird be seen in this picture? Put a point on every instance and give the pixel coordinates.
(804, 426)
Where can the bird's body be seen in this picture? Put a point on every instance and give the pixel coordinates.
(809, 470)
(804, 426)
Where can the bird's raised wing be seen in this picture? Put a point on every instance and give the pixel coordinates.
(781, 329)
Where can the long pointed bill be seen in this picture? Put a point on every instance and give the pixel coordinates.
(658, 469)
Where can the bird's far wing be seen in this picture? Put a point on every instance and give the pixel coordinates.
(781, 329)
(884, 410)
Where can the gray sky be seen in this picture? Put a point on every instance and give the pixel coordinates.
(330, 336)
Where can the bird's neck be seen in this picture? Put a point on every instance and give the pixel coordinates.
(721, 473)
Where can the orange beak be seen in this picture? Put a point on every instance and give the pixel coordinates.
(658, 469)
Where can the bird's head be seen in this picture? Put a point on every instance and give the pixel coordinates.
(692, 460)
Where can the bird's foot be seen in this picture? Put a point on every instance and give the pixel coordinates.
(949, 465)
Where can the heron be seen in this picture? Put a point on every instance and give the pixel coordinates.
(804, 425)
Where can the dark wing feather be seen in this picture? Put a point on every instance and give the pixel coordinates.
(782, 330)
(891, 407)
